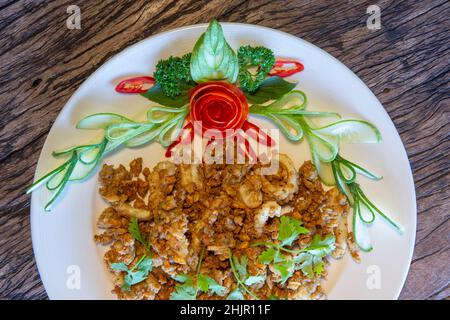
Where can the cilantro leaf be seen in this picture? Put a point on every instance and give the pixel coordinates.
(211, 285)
(289, 230)
(241, 266)
(285, 269)
(189, 287)
(251, 280)
(235, 295)
(119, 266)
(133, 229)
(136, 274)
(184, 291)
(267, 256)
(239, 270)
(309, 260)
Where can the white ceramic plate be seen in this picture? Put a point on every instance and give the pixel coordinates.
(63, 239)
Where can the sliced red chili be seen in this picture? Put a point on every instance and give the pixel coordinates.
(189, 127)
(248, 152)
(256, 133)
(286, 68)
(135, 85)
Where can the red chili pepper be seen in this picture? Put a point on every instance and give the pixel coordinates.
(248, 152)
(256, 133)
(180, 138)
(135, 85)
(282, 68)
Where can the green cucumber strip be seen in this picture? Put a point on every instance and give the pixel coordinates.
(144, 137)
(368, 203)
(289, 103)
(55, 182)
(40, 181)
(324, 170)
(89, 156)
(290, 128)
(170, 131)
(352, 131)
(101, 121)
(347, 173)
(342, 186)
(66, 151)
(362, 238)
(367, 212)
(305, 113)
(360, 170)
(58, 191)
(124, 130)
(83, 169)
(159, 114)
(325, 148)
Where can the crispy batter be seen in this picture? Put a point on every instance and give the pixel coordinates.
(184, 209)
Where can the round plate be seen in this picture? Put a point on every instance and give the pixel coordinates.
(71, 265)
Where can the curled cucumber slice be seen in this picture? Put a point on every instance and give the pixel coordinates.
(324, 170)
(360, 231)
(159, 114)
(144, 137)
(101, 121)
(290, 128)
(326, 148)
(351, 131)
(170, 131)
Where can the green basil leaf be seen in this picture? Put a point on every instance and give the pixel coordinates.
(272, 88)
(156, 94)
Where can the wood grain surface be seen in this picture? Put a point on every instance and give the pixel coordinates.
(405, 63)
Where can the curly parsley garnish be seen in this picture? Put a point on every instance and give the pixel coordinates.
(139, 272)
(190, 286)
(239, 269)
(172, 73)
(248, 57)
(309, 260)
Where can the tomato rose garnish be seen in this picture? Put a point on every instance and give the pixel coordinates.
(218, 105)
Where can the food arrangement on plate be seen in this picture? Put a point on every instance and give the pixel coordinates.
(224, 230)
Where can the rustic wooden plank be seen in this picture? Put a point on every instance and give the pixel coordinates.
(405, 63)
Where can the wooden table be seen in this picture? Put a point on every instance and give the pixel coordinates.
(405, 63)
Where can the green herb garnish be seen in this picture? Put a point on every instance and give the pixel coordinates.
(272, 88)
(172, 73)
(254, 57)
(213, 58)
(239, 270)
(286, 261)
(139, 272)
(133, 229)
(190, 286)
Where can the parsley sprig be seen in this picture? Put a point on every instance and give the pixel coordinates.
(286, 261)
(239, 269)
(139, 272)
(190, 286)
